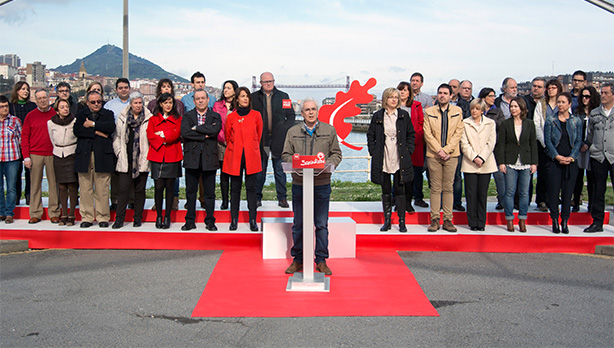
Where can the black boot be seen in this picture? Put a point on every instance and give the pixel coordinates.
(555, 226)
(564, 227)
(159, 222)
(167, 222)
(387, 205)
(224, 205)
(401, 212)
(233, 224)
(253, 226)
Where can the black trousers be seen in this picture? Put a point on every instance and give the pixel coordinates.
(541, 188)
(236, 183)
(224, 183)
(590, 183)
(476, 194)
(600, 173)
(192, 177)
(561, 180)
(126, 186)
(396, 187)
(161, 185)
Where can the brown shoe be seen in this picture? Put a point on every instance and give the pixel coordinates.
(323, 268)
(294, 267)
(63, 220)
(70, 221)
(434, 225)
(447, 225)
(34, 220)
(522, 225)
(55, 220)
(8, 220)
(510, 226)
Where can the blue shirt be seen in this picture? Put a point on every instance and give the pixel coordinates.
(188, 101)
(116, 105)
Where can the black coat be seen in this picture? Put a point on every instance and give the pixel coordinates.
(405, 143)
(88, 141)
(200, 144)
(508, 148)
(283, 119)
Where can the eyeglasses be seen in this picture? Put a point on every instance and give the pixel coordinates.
(491, 95)
(269, 81)
(576, 80)
(4, 106)
(95, 101)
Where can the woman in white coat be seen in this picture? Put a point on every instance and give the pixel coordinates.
(131, 146)
(478, 142)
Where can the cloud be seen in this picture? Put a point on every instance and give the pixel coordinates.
(397, 69)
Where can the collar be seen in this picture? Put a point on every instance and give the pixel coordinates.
(312, 130)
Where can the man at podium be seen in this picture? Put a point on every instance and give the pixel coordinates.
(310, 138)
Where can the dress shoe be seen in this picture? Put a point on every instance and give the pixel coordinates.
(499, 206)
(2, 217)
(542, 207)
(253, 226)
(153, 207)
(294, 267)
(159, 222)
(167, 223)
(448, 226)
(8, 220)
(458, 207)
(70, 221)
(118, 224)
(188, 226)
(409, 208)
(473, 228)
(259, 203)
(555, 226)
(522, 225)
(283, 203)
(136, 223)
(224, 205)
(34, 220)
(233, 224)
(103, 224)
(55, 220)
(113, 207)
(481, 229)
(421, 203)
(434, 226)
(564, 227)
(593, 228)
(575, 209)
(131, 206)
(211, 227)
(323, 268)
(63, 220)
(86, 224)
(510, 225)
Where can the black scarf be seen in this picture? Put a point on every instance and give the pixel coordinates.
(134, 124)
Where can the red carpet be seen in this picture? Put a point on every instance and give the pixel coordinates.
(376, 283)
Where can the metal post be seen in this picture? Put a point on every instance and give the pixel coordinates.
(308, 232)
(125, 63)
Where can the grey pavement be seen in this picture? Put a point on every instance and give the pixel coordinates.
(136, 298)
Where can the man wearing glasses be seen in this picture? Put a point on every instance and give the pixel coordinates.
(278, 116)
(63, 91)
(94, 160)
(578, 80)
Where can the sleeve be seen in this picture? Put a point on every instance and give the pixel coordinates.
(455, 138)
(466, 147)
(186, 129)
(371, 137)
(500, 147)
(173, 134)
(79, 130)
(211, 129)
(578, 139)
(410, 137)
(489, 148)
(431, 142)
(288, 150)
(538, 120)
(335, 155)
(155, 141)
(419, 125)
(550, 149)
(590, 129)
(25, 138)
(105, 124)
(116, 141)
(533, 144)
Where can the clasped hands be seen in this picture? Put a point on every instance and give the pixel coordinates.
(90, 124)
(443, 155)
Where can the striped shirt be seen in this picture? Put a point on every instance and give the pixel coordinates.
(10, 130)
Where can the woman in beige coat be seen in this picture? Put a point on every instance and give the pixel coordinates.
(131, 146)
(478, 143)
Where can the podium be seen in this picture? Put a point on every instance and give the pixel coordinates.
(308, 280)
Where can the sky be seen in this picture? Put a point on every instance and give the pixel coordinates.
(322, 41)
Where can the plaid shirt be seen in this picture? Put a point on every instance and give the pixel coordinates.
(10, 130)
(201, 118)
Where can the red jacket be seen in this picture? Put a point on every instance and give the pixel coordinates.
(167, 149)
(417, 120)
(243, 134)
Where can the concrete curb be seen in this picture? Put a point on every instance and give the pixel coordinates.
(604, 250)
(13, 246)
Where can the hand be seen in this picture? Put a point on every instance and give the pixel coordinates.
(533, 168)
(442, 154)
(584, 148)
(88, 124)
(478, 161)
(503, 168)
(160, 133)
(27, 163)
(99, 133)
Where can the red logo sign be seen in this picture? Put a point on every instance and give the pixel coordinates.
(286, 104)
(308, 161)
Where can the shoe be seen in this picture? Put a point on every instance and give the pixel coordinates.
(542, 207)
(421, 203)
(211, 227)
(113, 207)
(409, 208)
(323, 268)
(185, 205)
(176, 203)
(458, 207)
(555, 226)
(2, 217)
(159, 222)
(401, 204)
(86, 224)
(259, 203)
(294, 267)
(593, 228)
(103, 224)
(434, 225)
(55, 220)
(510, 225)
(564, 227)
(402, 227)
(283, 203)
(63, 220)
(224, 205)
(70, 221)
(167, 223)
(387, 207)
(34, 220)
(118, 224)
(473, 228)
(188, 226)
(499, 206)
(153, 207)
(481, 229)
(448, 226)
(131, 206)
(253, 226)
(27, 200)
(136, 223)
(522, 225)
(8, 220)
(233, 224)
(575, 209)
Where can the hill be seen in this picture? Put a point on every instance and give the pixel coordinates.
(107, 61)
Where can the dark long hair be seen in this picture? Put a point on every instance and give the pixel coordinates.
(402, 85)
(523, 106)
(161, 83)
(235, 86)
(17, 87)
(249, 95)
(593, 102)
(559, 86)
(485, 91)
(161, 99)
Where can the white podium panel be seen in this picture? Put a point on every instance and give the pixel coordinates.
(277, 238)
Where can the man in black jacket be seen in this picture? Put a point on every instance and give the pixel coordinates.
(199, 129)
(94, 159)
(278, 116)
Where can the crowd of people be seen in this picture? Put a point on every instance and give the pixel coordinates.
(100, 154)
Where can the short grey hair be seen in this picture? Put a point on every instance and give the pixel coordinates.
(505, 82)
(40, 90)
(302, 104)
(539, 78)
(463, 81)
(136, 95)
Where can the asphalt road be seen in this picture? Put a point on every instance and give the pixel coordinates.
(114, 298)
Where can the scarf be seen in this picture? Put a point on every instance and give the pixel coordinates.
(62, 121)
(134, 124)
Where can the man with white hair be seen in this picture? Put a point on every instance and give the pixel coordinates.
(310, 138)
(509, 90)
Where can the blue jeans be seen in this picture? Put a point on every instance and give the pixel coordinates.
(418, 179)
(321, 199)
(280, 178)
(458, 183)
(516, 180)
(10, 171)
(500, 184)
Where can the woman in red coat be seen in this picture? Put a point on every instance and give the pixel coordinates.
(417, 157)
(165, 154)
(243, 131)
